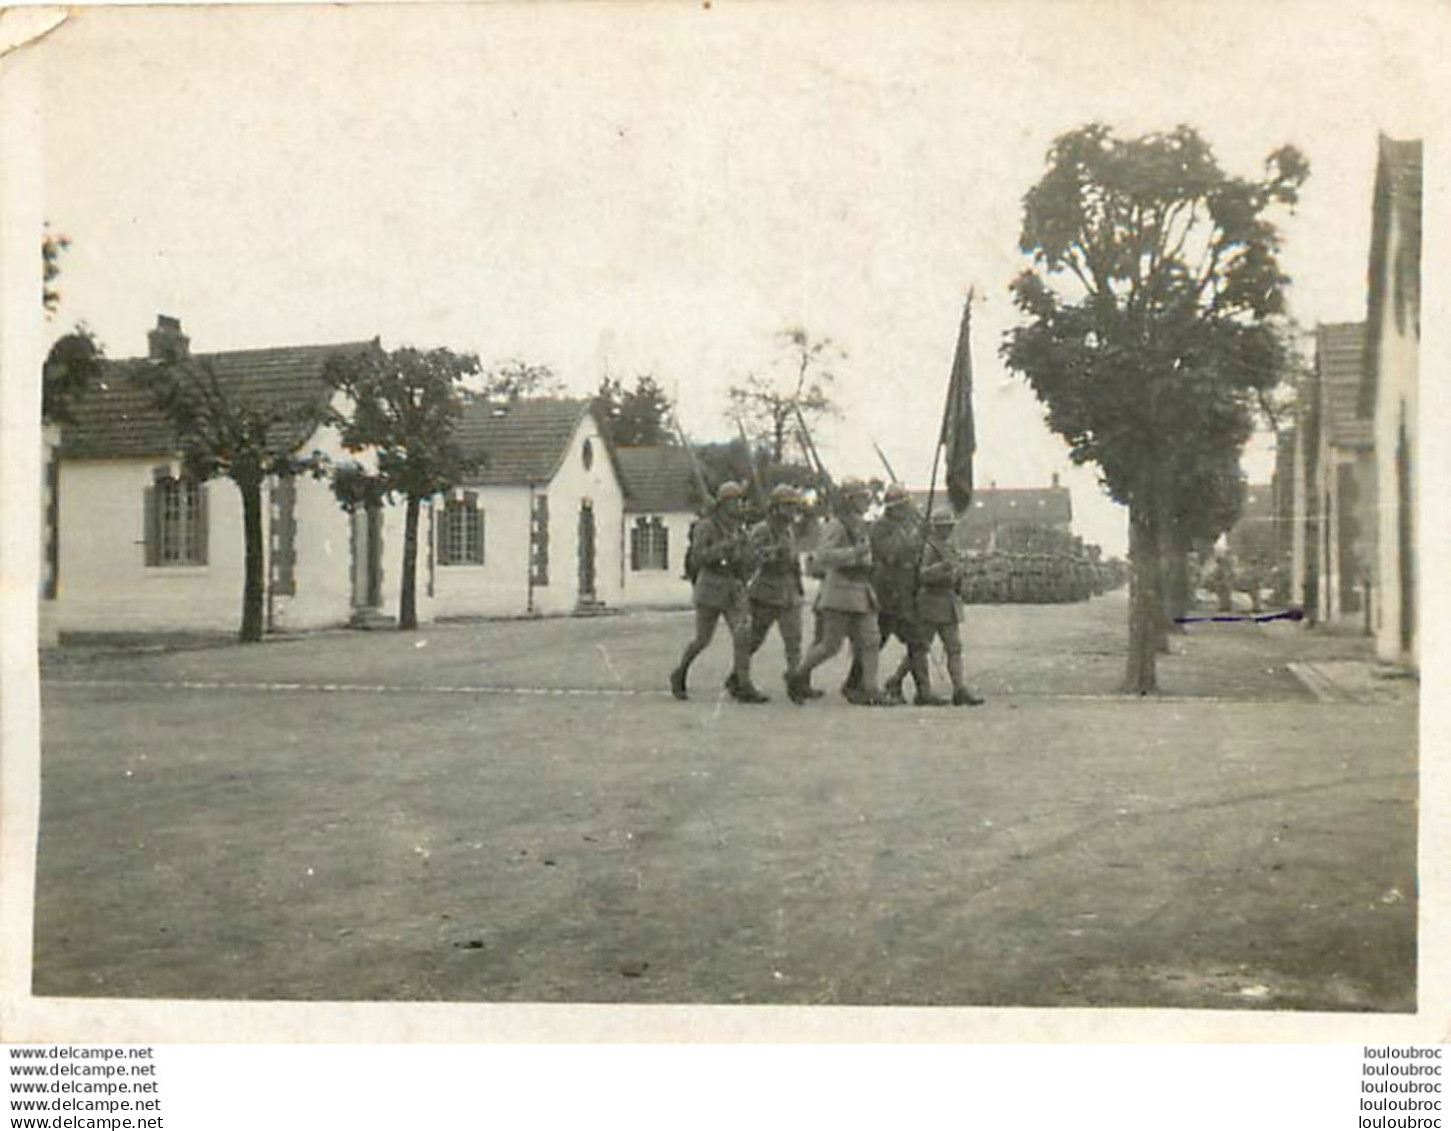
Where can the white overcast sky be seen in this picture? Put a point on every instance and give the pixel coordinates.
(662, 187)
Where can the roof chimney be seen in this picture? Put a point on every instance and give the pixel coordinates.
(167, 342)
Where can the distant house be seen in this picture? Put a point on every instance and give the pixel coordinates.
(1388, 400)
(134, 544)
(1341, 477)
(994, 510)
(537, 530)
(660, 504)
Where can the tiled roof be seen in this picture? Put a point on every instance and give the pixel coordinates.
(1396, 205)
(116, 418)
(523, 441)
(990, 505)
(657, 479)
(1340, 364)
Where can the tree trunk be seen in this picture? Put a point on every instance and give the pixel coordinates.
(1177, 592)
(408, 599)
(252, 584)
(1146, 613)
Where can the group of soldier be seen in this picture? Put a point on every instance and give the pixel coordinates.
(1005, 577)
(895, 577)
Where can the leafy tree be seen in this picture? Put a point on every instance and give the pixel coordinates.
(637, 417)
(405, 404)
(1152, 314)
(246, 438)
(515, 379)
(767, 406)
(75, 359)
(71, 367)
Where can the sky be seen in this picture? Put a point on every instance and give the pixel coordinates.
(663, 188)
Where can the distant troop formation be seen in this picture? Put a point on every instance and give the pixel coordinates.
(1007, 577)
(897, 577)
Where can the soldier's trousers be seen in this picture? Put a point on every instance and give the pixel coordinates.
(788, 619)
(951, 636)
(738, 620)
(861, 630)
(913, 635)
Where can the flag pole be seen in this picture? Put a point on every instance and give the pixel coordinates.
(937, 460)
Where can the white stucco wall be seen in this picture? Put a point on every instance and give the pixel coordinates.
(573, 483)
(499, 587)
(654, 587)
(324, 583)
(104, 582)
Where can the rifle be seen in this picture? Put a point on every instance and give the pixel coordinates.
(761, 497)
(705, 495)
(813, 460)
(881, 455)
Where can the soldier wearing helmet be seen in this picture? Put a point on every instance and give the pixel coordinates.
(718, 563)
(776, 591)
(896, 554)
(846, 601)
(939, 607)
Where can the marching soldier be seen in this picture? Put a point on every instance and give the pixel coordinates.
(896, 555)
(776, 591)
(939, 608)
(718, 563)
(846, 601)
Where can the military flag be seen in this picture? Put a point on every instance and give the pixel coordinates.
(958, 432)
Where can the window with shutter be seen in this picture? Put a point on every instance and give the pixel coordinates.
(175, 517)
(461, 536)
(649, 544)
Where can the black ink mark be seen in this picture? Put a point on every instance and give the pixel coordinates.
(1263, 618)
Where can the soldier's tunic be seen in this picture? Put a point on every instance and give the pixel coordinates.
(896, 546)
(720, 551)
(846, 600)
(776, 591)
(939, 608)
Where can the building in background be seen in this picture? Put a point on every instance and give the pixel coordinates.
(135, 544)
(1387, 400)
(660, 506)
(546, 527)
(1343, 480)
(1006, 514)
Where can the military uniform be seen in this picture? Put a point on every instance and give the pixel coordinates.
(941, 611)
(846, 600)
(721, 558)
(776, 591)
(896, 555)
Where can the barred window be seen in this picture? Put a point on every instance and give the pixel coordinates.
(176, 521)
(649, 544)
(461, 533)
